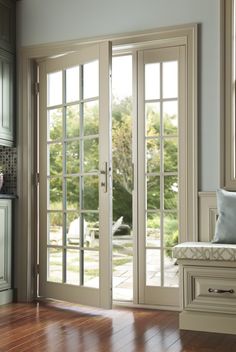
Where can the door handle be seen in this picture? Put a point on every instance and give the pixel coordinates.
(105, 173)
(218, 290)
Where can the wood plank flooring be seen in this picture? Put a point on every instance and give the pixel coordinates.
(62, 327)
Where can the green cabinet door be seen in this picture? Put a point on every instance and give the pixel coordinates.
(5, 245)
(7, 25)
(6, 98)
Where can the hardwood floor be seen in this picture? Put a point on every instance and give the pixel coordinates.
(62, 327)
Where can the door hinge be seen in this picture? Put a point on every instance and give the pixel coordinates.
(36, 88)
(37, 178)
(35, 271)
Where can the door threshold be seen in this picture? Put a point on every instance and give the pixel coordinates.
(147, 306)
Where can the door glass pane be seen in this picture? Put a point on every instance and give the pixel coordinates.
(55, 223)
(90, 196)
(122, 231)
(91, 118)
(55, 264)
(72, 121)
(152, 119)
(55, 193)
(72, 267)
(73, 229)
(122, 272)
(153, 155)
(153, 230)
(55, 124)
(153, 267)
(171, 192)
(170, 79)
(170, 154)
(72, 192)
(171, 269)
(91, 269)
(91, 80)
(170, 117)
(91, 159)
(91, 221)
(54, 88)
(152, 81)
(72, 84)
(55, 159)
(171, 226)
(153, 192)
(73, 157)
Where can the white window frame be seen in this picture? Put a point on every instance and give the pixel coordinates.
(228, 73)
(25, 262)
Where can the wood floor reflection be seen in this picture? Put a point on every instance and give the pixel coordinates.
(61, 327)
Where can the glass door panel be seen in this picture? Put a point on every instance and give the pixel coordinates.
(75, 159)
(122, 229)
(161, 170)
(70, 145)
(158, 129)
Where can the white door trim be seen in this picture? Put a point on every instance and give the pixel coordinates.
(25, 222)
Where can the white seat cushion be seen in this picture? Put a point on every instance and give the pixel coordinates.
(205, 251)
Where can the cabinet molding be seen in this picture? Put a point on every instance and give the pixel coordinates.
(207, 215)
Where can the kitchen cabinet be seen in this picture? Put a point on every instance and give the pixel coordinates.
(5, 250)
(6, 98)
(7, 25)
(7, 72)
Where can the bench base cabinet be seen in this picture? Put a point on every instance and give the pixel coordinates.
(5, 251)
(207, 286)
(208, 322)
(208, 296)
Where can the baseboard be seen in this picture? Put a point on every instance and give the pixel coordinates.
(6, 296)
(208, 322)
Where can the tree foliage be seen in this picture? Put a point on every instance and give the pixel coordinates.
(122, 158)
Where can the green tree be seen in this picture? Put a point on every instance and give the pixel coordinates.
(122, 157)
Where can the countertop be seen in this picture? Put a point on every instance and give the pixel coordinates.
(7, 196)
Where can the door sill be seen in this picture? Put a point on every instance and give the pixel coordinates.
(146, 306)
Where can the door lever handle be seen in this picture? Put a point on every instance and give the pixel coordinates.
(104, 172)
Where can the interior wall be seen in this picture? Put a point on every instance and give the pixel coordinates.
(48, 21)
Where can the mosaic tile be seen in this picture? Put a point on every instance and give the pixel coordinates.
(8, 160)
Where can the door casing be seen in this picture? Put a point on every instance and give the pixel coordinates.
(26, 242)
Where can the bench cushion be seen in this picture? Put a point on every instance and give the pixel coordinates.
(205, 251)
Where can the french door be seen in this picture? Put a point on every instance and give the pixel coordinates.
(75, 209)
(161, 116)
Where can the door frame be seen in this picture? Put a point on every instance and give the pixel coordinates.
(25, 267)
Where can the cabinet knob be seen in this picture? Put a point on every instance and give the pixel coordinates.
(218, 290)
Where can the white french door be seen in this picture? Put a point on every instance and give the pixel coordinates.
(161, 116)
(75, 191)
(75, 209)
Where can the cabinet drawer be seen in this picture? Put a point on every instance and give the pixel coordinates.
(210, 289)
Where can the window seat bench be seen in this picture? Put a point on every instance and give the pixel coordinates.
(207, 286)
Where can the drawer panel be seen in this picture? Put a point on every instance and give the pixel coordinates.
(210, 289)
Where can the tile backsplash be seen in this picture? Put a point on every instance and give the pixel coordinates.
(8, 160)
